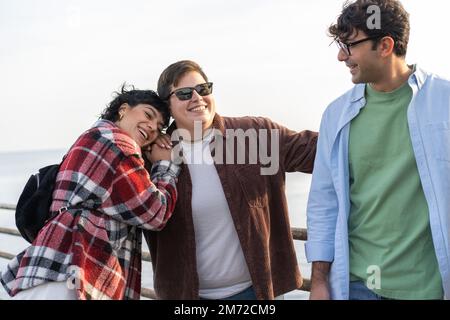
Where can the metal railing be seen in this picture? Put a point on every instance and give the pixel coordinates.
(299, 234)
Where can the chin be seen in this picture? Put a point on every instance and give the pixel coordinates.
(357, 80)
(204, 118)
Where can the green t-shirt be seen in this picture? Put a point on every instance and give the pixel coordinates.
(391, 247)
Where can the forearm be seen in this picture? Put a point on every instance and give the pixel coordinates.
(136, 200)
(320, 271)
(319, 281)
(166, 181)
(298, 150)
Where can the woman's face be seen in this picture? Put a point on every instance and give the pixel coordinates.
(142, 122)
(197, 108)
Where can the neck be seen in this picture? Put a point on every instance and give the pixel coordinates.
(393, 77)
(193, 135)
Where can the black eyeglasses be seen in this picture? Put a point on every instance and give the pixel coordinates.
(184, 94)
(346, 46)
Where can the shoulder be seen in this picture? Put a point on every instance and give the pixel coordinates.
(105, 135)
(231, 122)
(340, 104)
(247, 122)
(438, 82)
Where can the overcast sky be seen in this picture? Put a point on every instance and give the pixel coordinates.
(60, 61)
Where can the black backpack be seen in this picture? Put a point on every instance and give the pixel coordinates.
(33, 207)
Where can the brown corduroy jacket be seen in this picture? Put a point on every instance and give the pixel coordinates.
(258, 207)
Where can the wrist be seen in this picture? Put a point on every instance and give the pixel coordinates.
(320, 272)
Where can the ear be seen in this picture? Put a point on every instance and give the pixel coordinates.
(386, 46)
(123, 108)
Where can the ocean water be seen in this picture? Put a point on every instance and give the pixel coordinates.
(16, 168)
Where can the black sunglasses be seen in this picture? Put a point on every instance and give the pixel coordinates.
(346, 46)
(184, 94)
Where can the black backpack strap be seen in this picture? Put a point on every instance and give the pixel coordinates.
(63, 209)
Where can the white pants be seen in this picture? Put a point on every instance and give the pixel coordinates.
(48, 291)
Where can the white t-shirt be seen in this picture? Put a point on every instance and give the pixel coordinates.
(221, 265)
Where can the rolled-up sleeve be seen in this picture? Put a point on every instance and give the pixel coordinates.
(322, 207)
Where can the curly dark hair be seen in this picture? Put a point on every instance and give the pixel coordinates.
(133, 97)
(394, 22)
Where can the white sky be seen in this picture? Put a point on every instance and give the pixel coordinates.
(60, 61)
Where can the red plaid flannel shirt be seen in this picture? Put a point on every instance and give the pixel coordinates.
(96, 246)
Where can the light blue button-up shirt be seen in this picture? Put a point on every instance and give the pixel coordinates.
(329, 198)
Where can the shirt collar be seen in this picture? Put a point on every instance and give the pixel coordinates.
(418, 77)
